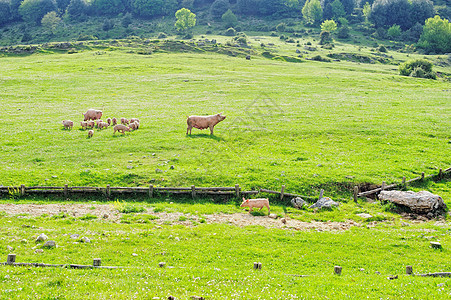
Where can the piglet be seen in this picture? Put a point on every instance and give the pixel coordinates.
(258, 203)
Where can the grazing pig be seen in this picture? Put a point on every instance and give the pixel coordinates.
(90, 133)
(258, 203)
(133, 126)
(92, 114)
(114, 120)
(124, 121)
(98, 122)
(84, 124)
(132, 120)
(108, 121)
(202, 122)
(102, 125)
(68, 124)
(91, 124)
(137, 124)
(121, 128)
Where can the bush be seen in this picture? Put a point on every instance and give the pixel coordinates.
(162, 35)
(107, 25)
(229, 19)
(241, 38)
(320, 58)
(343, 32)
(436, 36)
(394, 31)
(421, 68)
(281, 27)
(382, 49)
(230, 32)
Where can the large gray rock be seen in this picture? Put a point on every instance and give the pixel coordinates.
(49, 244)
(325, 202)
(298, 202)
(423, 202)
(41, 238)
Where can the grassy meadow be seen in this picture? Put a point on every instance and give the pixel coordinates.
(306, 125)
(215, 260)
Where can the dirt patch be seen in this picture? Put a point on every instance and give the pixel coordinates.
(109, 213)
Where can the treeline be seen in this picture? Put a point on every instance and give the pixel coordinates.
(383, 13)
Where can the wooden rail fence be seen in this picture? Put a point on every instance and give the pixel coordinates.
(403, 183)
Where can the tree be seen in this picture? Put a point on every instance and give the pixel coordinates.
(436, 36)
(76, 9)
(32, 11)
(5, 12)
(229, 19)
(153, 8)
(338, 10)
(51, 21)
(394, 32)
(185, 19)
(366, 11)
(312, 12)
(218, 8)
(329, 26)
(108, 7)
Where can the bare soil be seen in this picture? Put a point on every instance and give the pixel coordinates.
(109, 213)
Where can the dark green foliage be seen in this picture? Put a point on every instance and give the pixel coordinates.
(320, 58)
(413, 34)
(401, 12)
(343, 32)
(241, 39)
(5, 12)
(281, 27)
(444, 11)
(126, 20)
(325, 38)
(312, 12)
(108, 7)
(15, 4)
(348, 6)
(107, 25)
(218, 8)
(266, 7)
(382, 49)
(417, 68)
(333, 9)
(76, 8)
(229, 19)
(230, 32)
(62, 5)
(162, 35)
(32, 11)
(153, 8)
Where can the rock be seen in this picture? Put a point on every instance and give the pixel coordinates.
(9, 248)
(298, 202)
(106, 216)
(248, 57)
(298, 51)
(85, 240)
(172, 168)
(49, 244)
(283, 220)
(42, 237)
(273, 216)
(74, 236)
(365, 216)
(130, 167)
(436, 245)
(38, 251)
(134, 254)
(324, 202)
(23, 241)
(422, 202)
(161, 264)
(158, 171)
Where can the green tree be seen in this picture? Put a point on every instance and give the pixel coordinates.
(153, 8)
(329, 26)
(5, 12)
(108, 7)
(51, 21)
(76, 9)
(185, 19)
(338, 10)
(218, 8)
(312, 12)
(229, 19)
(32, 11)
(367, 11)
(394, 32)
(436, 36)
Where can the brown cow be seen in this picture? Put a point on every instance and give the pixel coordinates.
(202, 122)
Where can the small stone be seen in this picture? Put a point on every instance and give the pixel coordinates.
(9, 248)
(377, 272)
(283, 220)
(42, 237)
(54, 176)
(436, 245)
(172, 167)
(134, 254)
(365, 215)
(273, 216)
(85, 240)
(130, 154)
(106, 216)
(158, 171)
(49, 244)
(441, 284)
(177, 239)
(129, 167)
(361, 269)
(298, 202)
(153, 154)
(38, 251)
(161, 264)
(24, 241)
(130, 161)
(74, 236)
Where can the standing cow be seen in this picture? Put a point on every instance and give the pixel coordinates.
(203, 122)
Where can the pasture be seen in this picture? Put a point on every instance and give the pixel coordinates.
(308, 126)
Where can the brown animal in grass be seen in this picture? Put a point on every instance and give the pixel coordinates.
(203, 122)
(114, 120)
(121, 128)
(258, 203)
(90, 133)
(68, 124)
(92, 114)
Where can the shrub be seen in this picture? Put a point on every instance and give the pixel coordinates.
(343, 32)
(229, 19)
(107, 25)
(436, 36)
(230, 32)
(241, 38)
(281, 27)
(325, 38)
(382, 49)
(162, 35)
(320, 58)
(421, 68)
(394, 31)
(126, 20)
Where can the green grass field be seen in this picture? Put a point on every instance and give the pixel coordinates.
(306, 125)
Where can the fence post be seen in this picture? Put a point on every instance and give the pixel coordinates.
(11, 259)
(440, 174)
(383, 186)
(409, 270)
(404, 185)
(96, 262)
(356, 192)
(281, 192)
(193, 191)
(337, 270)
(422, 176)
(151, 191)
(321, 193)
(108, 191)
(22, 189)
(65, 190)
(237, 190)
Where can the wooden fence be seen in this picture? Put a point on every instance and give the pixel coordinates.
(151, 191)
(403, 183)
